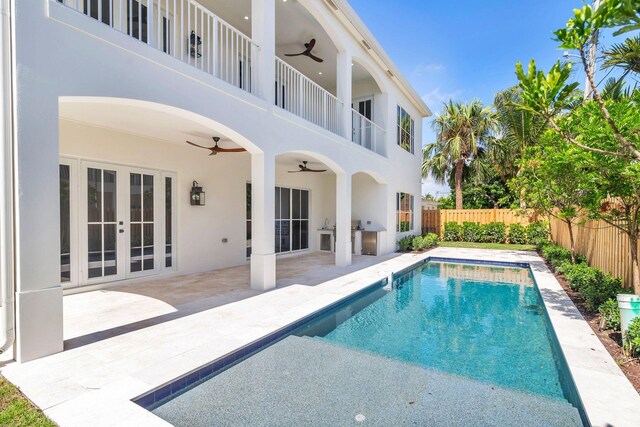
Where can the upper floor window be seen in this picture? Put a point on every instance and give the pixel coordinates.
(406, 127)
(404, 212)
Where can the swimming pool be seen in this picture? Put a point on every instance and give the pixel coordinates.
(444, 343)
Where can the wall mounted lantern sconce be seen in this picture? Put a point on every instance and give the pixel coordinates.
(197, 195)
(195, 42)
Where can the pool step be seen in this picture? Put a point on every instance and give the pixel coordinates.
(305, 381)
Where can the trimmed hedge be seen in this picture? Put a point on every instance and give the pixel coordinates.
(517, 234)
(417, 243)
(538, 233)
(471, 232)
(493, 232)
(452, 232)
(595, 286)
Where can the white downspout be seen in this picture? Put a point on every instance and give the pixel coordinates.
(7, 318)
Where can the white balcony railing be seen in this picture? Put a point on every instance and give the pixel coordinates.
(366, 133)
(183, 29)
(301, 96)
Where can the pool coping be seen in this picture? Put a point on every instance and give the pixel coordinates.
(605, 394)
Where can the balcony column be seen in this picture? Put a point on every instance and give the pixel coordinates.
(343, 91)
(263, 32)
(263, 257)
(343, 220)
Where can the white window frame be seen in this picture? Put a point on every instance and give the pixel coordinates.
(400, 131)
(400, 212)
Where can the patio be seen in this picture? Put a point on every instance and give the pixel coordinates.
(93, 316)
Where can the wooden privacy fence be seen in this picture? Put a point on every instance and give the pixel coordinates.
(603, 245)
(433, 220)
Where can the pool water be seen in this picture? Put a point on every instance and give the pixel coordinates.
(475, 321)
(443, 344)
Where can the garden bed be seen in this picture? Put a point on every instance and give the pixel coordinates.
(611, 339)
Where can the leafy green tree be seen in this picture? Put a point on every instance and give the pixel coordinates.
(608, 127)
(557, 178)
(548, 93)
(616, 183)
(461, 133)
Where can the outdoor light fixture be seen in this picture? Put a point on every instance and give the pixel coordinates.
(195, 42)
(197, 195)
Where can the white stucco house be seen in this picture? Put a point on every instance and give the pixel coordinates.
(99, 183)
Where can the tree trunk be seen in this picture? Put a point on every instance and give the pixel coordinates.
(635, 269)
(573, 248)
(459, 170)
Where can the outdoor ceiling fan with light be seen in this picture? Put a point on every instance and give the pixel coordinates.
(215, 149)
(303, 168)
(309, 46)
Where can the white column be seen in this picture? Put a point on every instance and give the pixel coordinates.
(38, 291)
(343, 90)
(263, 257)
(263, 32)
(343, 220)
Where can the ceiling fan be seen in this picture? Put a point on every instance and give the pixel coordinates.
(309, 46)
(303, 168)
(215, 149)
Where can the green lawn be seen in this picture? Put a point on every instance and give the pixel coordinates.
(487, 246)
(17, 411)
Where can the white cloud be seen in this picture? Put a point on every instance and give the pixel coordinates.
(422, 69)
(437, 97)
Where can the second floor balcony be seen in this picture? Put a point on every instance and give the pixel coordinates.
(214, 36)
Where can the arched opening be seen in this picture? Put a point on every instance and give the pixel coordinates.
(369, 209)
(305, 205)
(137, 200)
(368, 108)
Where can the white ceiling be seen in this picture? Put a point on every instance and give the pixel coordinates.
(295, 26)
(143, 122)
(146, 123)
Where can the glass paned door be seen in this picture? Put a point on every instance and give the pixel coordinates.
(102, 224)
(122, 226)
(141, 222)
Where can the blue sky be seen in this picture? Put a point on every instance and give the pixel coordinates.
(464, 49)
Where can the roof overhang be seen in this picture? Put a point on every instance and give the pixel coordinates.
(352, 22)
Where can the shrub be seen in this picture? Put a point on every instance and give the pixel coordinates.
(452, 231)
(494, 232)
(632, 338)
(603, 287)
(405, 244)
(471, 232)
(430, 239)
(537, 233)
(517, 234)
(578, 275)
(610, 315)
(556, 255)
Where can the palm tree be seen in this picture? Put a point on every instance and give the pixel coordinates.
(461, 133)
(516, 130)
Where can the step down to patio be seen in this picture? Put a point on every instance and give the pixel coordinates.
(307, 381)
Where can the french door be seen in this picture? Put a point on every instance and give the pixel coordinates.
(121, 227)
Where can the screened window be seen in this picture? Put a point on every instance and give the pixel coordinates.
(404, 212)
(292, 219)
(406, 129)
